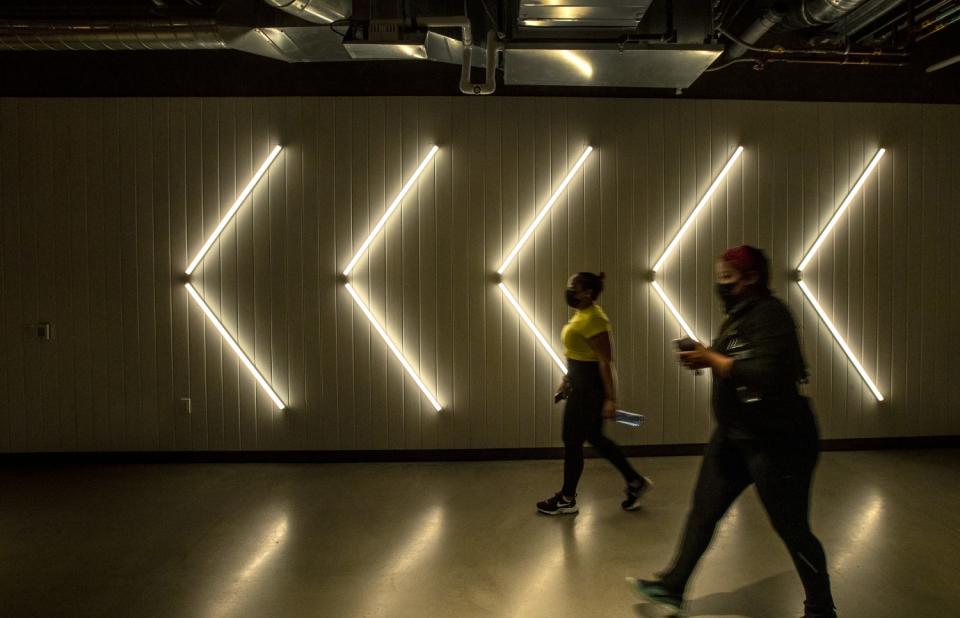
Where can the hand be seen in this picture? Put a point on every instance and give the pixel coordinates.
(563, 392)
(699, 358)
(609, 409)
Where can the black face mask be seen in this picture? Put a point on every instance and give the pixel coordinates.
(725, 292)
(572, 300)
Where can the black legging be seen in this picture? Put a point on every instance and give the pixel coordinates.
(583, 421)
(782, 470)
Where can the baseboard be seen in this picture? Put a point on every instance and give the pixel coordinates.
(359, 456)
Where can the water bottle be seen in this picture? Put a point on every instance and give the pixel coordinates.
(630, 419)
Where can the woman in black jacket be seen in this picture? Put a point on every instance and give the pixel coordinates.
(766, 434)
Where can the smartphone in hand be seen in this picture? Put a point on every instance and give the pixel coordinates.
(685, 344)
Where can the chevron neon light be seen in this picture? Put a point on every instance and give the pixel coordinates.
(676, 241)
(240, 201)
(523, 240)
(363, 306)
(234, 346)
(844, 205)
(386, 215)
(393, 348)
(233, 210)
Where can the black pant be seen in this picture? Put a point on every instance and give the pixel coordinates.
(583, 421)
(782, 469)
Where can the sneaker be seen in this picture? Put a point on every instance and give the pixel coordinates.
(557, 505)
(634, 492)
(826, 614)
(656, 593)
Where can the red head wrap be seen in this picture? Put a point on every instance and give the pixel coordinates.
(743, 258)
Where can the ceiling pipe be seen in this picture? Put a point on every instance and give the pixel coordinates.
(494, 46)
(755, 32)
(806, 14)
(815, 52)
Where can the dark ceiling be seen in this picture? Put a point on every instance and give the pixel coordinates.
(234, 73)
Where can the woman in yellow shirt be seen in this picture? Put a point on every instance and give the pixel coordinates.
(590, 390)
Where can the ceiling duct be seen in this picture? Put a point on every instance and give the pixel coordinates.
(392, 40)
(289, 44)
(106, 35)
(582, 42)
(607, 64)
(303, 41)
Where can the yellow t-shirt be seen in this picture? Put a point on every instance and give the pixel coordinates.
(585, 324)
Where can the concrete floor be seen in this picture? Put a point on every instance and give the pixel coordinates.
(455, 539)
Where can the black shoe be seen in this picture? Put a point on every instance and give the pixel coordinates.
(634, 491)
(827, 614)
(557, 505)
(655, 592)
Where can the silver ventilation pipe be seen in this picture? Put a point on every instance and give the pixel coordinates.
(309, 43)
(755, 32)
(811, 13)
(806, 14)
(113, 36)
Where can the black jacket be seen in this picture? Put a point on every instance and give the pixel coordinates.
(761, 395)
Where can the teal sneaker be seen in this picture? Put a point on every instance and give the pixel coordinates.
(654, 592)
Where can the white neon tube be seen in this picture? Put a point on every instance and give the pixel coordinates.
(543, 211)
(676, 241)
(532, 327)
(843, 344)
(233, 209)
(393, 348)
(696, 211)
(386, 215)
(813, 250)
(234, 346)
(842, 208)
(676, 314)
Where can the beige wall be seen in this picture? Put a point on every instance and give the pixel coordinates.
(104, 201)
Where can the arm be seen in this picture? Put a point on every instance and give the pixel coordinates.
(708, 358)
(603, 348)
(772, 353)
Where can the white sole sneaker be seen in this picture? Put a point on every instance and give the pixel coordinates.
(563, 510)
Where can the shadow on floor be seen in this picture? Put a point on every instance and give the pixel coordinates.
(761, 599)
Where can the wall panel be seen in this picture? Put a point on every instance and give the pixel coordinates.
(104, 201)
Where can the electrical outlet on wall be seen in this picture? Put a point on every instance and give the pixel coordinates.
(185, 405)
(41, 331)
